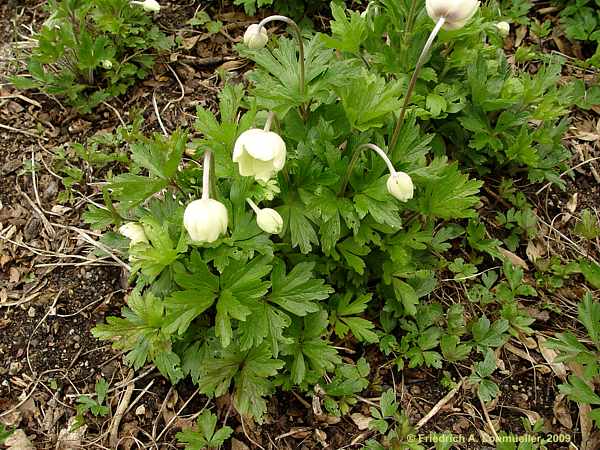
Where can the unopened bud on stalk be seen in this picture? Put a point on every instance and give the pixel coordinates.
(268, 220)
(205, 220)
(107, 64)
(148, 5)
(256, 36)
(259, 154)
(400, 185)
(134, 232)
(503, 28)
(455, 12)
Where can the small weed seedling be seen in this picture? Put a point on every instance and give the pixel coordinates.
(206, 436)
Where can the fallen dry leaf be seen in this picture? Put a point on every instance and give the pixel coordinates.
(70, 440)
(238, 445)
(18, 441)
(534, 251)
(361, 421)
(514, 259)
(550, 356)
(561, 412)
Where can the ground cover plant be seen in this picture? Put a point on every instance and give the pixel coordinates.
(88, 52)
(329, 220)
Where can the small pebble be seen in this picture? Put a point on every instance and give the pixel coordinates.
(31, 312)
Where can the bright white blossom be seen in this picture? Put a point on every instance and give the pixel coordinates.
(455, 12)
(205, 220)
(268, 220)
(148, 5)
(259, 153)
(134, 232)
(503, 28)
(400, 185)
(256, 37)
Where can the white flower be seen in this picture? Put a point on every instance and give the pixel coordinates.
(503, 28)
(400, 185)
(148, 5)
(134, 232)
(259, 153)
(205, 220)
(456, 12)
(270, 221)
(107, 64)
(256, 37)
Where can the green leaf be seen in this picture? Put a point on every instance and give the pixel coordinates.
(346, 35)
(343, 320)
(589, 316)
(297, 291)
(368, 100)
(579, 391)
(98, 218)
(132, 190)
(488, 390)
(265, 321)
(591, 272)
(276, 81)
(349, 379)
(488, 366)
(452, 349)
(169, 364)
(302, 232)
(140, 334)
(228, 307)
(485, 335)
(160, 155)
(452, 196)
(376, 200)
(151, 258)
(308, 350)
(388, 403)
(406, 295)
(201, 288)
(101, 389)
(206, 435)
(352, 252)
(4, 433)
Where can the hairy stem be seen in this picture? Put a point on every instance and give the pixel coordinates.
(354, 160)
(255, 208)
(206, 175)
(413, 82)
(269, 121)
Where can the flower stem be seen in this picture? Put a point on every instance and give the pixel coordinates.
(354, 160)
(298, 32)
(206, 175)
(269, 121)
(413, 81)
(255, 208)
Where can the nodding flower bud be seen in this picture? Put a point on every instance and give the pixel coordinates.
(106, 63)
(503, 28)
(205, 220)
(268, 220)
(400, 185)
(134, 232)
(455, 12)
(259, 153)
(256, 37)
(148, 5)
